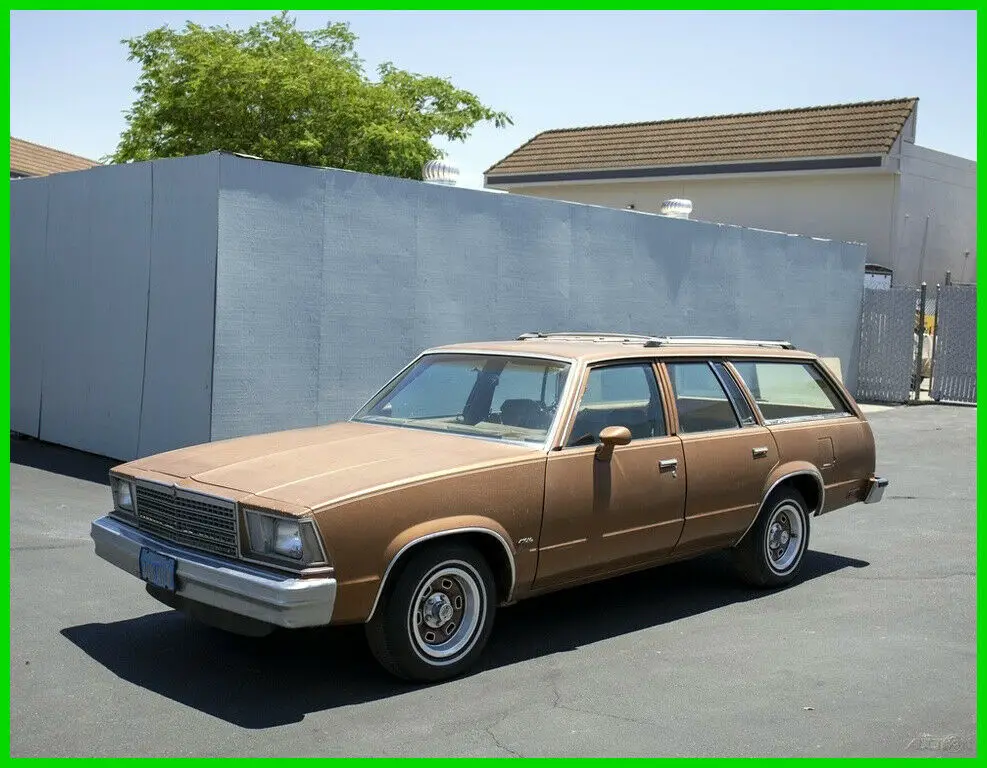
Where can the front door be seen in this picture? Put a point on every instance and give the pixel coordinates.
(603, 515)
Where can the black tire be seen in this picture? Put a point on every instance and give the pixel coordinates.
(757, 555)
(403, 633)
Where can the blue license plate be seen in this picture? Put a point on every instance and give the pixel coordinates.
(158, 570)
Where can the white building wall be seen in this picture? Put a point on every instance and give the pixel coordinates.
(943, 189)
(850, 206)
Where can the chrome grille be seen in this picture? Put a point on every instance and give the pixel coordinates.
(190, 519)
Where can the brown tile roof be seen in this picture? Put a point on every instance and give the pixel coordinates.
(838, 130)
(37, 160)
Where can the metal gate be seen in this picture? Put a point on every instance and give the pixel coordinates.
(887, 345)
(954, 362)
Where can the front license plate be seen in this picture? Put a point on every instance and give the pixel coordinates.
(158, 570)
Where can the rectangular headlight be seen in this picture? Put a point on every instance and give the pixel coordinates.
(123, 494)
(288, 541)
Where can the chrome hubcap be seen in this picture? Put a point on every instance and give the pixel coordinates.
(446, 613)
(784, 537)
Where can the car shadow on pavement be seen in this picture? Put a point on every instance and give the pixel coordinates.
(276, 680)
(59, 460)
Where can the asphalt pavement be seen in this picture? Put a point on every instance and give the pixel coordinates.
(871, 653)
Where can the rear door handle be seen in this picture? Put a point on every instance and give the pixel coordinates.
(668, 464)
(759, 453)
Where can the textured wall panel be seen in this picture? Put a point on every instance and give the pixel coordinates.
(66, 342)
(177, 398)
(28, 224)
(120, 253)
(363, 277)
(96, 308)
(269, 297)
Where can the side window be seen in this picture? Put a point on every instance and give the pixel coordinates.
(700, 399)
(790, 390)
(618, 396)
(740, 404)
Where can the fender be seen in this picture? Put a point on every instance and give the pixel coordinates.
(778, 475)
(434, 529)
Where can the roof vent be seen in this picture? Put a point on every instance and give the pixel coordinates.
(440, 172)
(676, 208)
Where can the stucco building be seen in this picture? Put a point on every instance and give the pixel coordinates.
(848, 172)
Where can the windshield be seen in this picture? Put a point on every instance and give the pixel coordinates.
(493, 396)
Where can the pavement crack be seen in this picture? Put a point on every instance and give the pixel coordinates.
(498, 742)
(42, 547)
(557, 704)
(934, 577)
(501, 745)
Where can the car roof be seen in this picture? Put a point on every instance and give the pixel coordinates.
(591, 349)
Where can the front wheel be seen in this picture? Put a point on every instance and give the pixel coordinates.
(770, 555)
(436, 617)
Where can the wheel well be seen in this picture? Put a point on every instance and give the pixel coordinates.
(489, 545)
(808, 487)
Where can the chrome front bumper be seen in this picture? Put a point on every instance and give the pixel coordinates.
(875, 490)
(281, 600)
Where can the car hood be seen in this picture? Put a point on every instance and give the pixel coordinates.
(322, 465)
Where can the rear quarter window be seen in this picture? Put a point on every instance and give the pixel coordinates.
(786, 391)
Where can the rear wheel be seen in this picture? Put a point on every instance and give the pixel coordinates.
(771, 553)
(436, 616)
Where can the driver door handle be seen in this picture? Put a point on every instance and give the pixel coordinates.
(759, 453)
(668, 464)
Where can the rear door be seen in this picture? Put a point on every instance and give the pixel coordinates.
(728, 455)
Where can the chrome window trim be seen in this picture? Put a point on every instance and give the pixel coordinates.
(440, 534)
(730, 397)
(543, 445)
(815, 474)
(810, 417)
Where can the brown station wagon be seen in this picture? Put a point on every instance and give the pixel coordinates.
(486, 473)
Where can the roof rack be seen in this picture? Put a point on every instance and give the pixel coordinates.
(723, 341)
(584, 336)
(656, 341)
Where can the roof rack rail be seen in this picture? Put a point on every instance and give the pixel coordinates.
(585, 335)
(656, 341)
(725, 341)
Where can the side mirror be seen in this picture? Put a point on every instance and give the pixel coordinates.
(610, 438)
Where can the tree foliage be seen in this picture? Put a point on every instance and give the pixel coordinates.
(289, 95)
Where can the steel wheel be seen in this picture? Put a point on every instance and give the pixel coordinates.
(770, 555)
(446, 612)
(435, 618)
(783, 536)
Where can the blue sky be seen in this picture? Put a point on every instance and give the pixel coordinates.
(70, 81)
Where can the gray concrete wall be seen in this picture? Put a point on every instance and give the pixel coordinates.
(329, 282)
(107, 264)
(177, 397)
(163, 304)
(28, 232)
(95, 308)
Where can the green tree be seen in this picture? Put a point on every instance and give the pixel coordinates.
(289, 95)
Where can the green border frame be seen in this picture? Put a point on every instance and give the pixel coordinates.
(424, 5)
